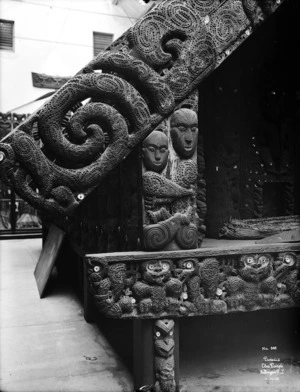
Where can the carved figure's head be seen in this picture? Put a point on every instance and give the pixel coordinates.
(164, 338)
(255, 268)
(155, 151)
(97, 270)
(284, 263)
(117, 272)
(157, 271)
(184, 132)
(186, 268)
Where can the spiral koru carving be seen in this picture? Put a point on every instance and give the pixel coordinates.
(157, 236)
(186, 236)
(81, 158)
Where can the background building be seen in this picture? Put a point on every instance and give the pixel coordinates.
(56, 38)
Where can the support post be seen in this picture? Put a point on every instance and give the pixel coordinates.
(143, 350)
(88, 302)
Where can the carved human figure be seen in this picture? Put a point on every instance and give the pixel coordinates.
(159, 192)
(184, 136)
(170, 202)
(108, 283)
(184, 132)
(155, 151)
(255, 286)
(187, 272)
(287, 275)
(157, 291)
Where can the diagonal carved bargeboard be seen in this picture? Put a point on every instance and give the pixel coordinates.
(97, 118)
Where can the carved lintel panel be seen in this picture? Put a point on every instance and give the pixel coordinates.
(194, 282)
(144, 76)
(170, 179)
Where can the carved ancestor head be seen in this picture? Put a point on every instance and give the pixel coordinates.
(255, 268)
(97, 269)
(157, 271)
(184, 132)
(284, 263)
(155, 151)
(186, 268)
(164, 337)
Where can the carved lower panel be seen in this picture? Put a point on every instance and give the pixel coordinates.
(168, 285)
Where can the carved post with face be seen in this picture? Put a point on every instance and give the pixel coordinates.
(170, 222)
(170, 184)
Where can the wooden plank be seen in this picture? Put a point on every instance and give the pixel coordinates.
(48, 257)
(200, 252)
(286, 236)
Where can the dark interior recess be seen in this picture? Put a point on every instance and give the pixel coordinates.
(249, 113)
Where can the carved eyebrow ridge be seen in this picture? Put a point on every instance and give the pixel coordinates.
(186, 125)
(157, 146)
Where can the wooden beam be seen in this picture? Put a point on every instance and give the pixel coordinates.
(48, 258)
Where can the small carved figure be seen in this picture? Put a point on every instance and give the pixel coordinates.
(287, 274)
(157, 291)
(164, 363)
(255, 286)
(210, 276)
(109, 284)
(184, 132)
(187, 272)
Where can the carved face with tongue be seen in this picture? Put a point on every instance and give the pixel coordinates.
(157, 271)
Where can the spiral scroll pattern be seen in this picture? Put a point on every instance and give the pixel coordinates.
(187, 236)
(157, 236)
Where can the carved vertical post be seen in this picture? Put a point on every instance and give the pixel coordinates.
(166, 360)
(170, 222)
(170, 181)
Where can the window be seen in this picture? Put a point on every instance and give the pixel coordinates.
(101, 41)
(6, 34)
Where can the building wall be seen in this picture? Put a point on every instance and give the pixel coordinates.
(54, 37)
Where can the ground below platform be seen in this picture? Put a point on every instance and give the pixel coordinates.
(47, 346)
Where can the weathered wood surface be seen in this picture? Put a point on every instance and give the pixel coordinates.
(215, 248)
(259, 228)
(48, 258)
